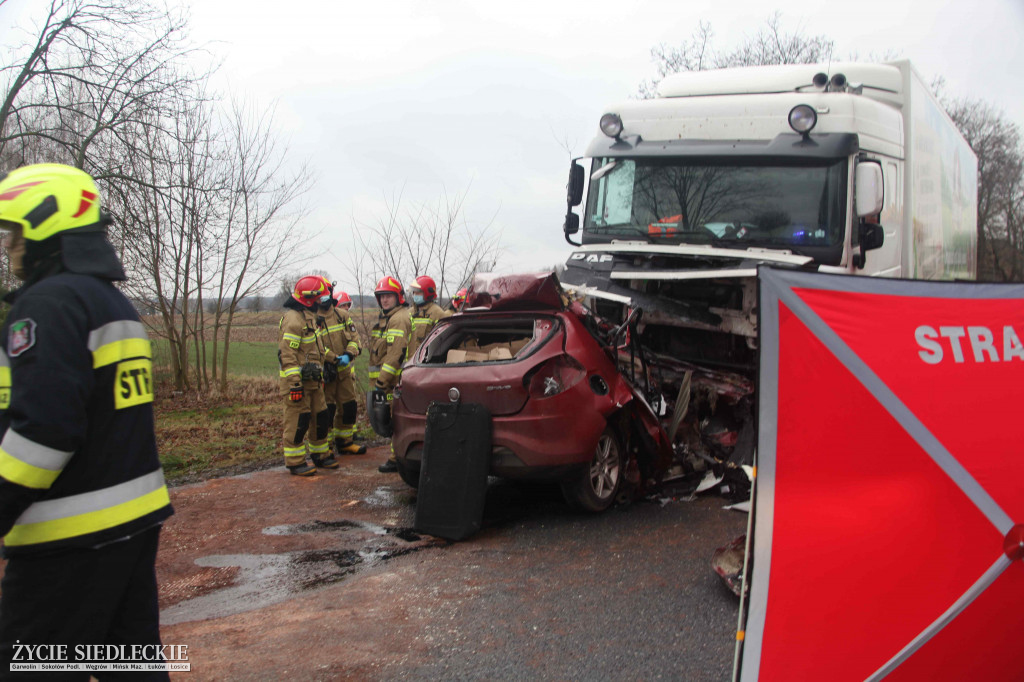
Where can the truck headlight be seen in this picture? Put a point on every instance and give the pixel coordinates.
(611, 125)
(803, 118)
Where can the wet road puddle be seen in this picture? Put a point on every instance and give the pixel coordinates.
(266, 579)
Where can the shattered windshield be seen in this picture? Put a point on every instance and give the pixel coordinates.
(701, 201)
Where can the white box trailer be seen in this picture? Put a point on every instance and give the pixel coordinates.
(843, 168)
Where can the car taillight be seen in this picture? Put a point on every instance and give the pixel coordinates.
(554, 376)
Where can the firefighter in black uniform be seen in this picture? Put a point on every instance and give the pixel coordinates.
(82, 493)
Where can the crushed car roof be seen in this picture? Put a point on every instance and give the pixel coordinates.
(529, 291)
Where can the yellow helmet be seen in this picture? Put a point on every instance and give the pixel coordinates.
(49, 198)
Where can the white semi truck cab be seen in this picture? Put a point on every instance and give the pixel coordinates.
(842, 168)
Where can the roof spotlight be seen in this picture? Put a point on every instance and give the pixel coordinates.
(838, 81)
(803, 118)
(820, 80)
(611, 125)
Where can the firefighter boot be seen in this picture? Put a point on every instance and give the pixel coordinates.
(388, 467)
(325, 462)
(302, 470)
(348, 447)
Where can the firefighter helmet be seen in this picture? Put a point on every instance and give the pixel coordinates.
(460, 299)
(312, 290)
(342, 299)
(389, 285)
(330, 286)
(427, 286)
(46, 199)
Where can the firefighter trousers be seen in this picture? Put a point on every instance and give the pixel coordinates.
(83, 597)
(304, 417)
(342, 406)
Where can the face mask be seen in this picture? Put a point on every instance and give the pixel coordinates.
(417, 299)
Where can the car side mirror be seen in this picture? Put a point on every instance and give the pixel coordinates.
(868, 189)
(575, 186)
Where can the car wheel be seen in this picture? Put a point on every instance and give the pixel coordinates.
(408, 474)
(594, 488)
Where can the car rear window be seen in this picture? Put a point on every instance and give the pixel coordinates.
(486, 338)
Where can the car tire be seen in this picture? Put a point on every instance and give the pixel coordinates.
(594, 488)
(410, 476)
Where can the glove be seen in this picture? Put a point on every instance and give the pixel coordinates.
(380, 395)
(343, 360)
(296, 394)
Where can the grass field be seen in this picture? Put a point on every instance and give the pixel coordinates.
(205, 436)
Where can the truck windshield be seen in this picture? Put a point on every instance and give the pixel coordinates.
(698, 201)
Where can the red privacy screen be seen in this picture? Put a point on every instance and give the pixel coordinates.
(890, 481)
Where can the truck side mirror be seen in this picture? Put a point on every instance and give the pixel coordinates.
(575, 186)
(868, 189)
(872, 236)
(572, 223)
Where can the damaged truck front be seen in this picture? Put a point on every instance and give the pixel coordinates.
(842, 168)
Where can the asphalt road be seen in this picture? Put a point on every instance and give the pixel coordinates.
(269, 577)
(628, 594)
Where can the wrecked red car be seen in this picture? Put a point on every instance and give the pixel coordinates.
(549, 373)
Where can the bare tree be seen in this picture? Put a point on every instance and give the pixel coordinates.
(87, 81)
(770, 45)
(218, 220)
(87, 74)
(429, 238)
(206, 206)
(165, 216)
(997, 143)
(261, 227)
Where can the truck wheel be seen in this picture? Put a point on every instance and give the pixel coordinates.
(408, 474)
(594, 488)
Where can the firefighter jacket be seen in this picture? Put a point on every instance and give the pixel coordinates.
(78, 457)
(300, 351)
(388, 341)
(339, 335)
(424, 318)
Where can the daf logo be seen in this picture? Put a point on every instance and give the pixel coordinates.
(592, 257)
(499, 388)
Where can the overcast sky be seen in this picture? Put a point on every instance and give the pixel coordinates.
(423, 96)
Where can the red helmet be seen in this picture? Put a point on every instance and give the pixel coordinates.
(460, 299)
(341, 298)
(311, 290)
(330, 286)
(427, 286)
(389, 285)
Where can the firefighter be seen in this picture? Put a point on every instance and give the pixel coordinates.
(425, 313)
(341, 344)
(82, 493)
(388, 341)
(301, 355)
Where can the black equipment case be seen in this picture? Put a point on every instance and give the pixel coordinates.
(453, 471)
